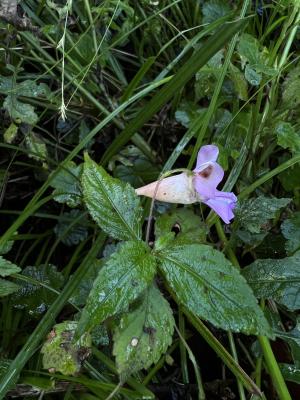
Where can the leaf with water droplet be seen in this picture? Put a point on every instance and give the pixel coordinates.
(120, 281)
(143, 334)
(35, 298)
(112, 203)
(212, 288)
(278, 279)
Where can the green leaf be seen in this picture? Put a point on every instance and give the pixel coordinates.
(239, 82)
(208, 285)
(254, 59)
(61, 353)
(292, 337)
(20, 112)
(121, 280)
(144, 334)
(67, 185)
(252, 76)
(291, 89)
(254, 214)
(36, 146)
(11, 133)
(290, 373)
(7, 287)
(75, 230)
(287, 137)
(277, 279)
(7, 268)
(112, 203)
(214, 9)
(290, 229)
(184, 224)
(179, 80)
(82, 292)
(34, 298)
(8, 245)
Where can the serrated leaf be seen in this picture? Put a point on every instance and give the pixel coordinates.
(33, 298)
(112, 203)
(144, 334)
(254, 214)
(254, 58)
(75, 230)
(7, 246)
(290, 229)
(186, 226)
(67, 185)
(277, 279)
(61, 353)
(7, 287)
(121, 280)
(209, 286)
(287, 137)
(8, 268)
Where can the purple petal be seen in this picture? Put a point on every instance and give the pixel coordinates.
(223, 204)
(207, 154)
(207, 179)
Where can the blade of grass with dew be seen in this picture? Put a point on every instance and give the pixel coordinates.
(184, 74)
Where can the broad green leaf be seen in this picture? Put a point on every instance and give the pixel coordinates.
(34, 298)
(7, 268)
(254, 58)
(290, 229)
(112, 203)
(74, 230)
(67, 185)
(20, 112)
(214, 9)
(292, 337)
(121, 280)
(184, 224)
(209, 286)
(287, 137)
(290, 372)
(36, 146)
(143, 334)
(254, 214)
(278, 279)
(7, 287)
(291, 89)
(61, 353)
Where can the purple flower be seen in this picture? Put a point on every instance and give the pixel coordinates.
(208, 174)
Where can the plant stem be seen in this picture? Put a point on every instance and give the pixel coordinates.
(270, 359)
